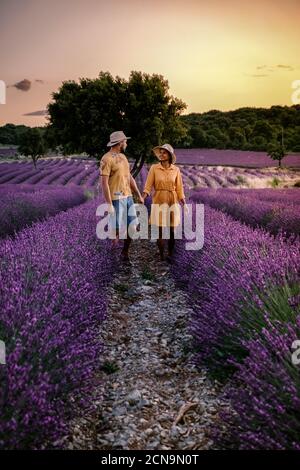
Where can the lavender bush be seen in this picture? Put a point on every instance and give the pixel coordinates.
(17, 210)
(265, 392)
(244, 288)
(275, 212)
(239, 275)
(53, 281)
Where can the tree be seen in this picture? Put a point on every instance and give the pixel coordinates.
(211, 141)
(32, 144)
(258, 143)
(277, 152)
(237, 138)
(10, 133)
(198, 137)
(84, 114)
(262, 129)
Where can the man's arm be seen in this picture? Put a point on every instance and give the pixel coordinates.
(106, 190)
(105, 170)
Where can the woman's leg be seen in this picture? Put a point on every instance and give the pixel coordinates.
(161, 244)
(171, 242)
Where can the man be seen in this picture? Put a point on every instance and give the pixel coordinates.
(117, 186)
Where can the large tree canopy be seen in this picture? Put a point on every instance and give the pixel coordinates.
(82, 115)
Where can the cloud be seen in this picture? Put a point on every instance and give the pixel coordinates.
(287, 67)
(272, 68)
(42, 112)
(23, 85)
(257, 74)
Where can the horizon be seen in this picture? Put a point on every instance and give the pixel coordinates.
(215, 56)
(186, 114)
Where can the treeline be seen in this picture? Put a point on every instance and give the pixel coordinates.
(244, 128)
(11, 134)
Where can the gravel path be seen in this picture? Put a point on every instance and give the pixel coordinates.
(154, 398)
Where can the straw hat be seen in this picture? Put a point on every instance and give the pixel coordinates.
(167, 147)
(116, 137)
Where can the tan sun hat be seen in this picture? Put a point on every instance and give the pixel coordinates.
(167, 147)
(116, 137)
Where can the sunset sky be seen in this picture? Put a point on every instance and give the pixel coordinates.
(218, 54)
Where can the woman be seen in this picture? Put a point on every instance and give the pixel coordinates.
(166, 180)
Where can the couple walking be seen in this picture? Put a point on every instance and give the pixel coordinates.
(118, 185)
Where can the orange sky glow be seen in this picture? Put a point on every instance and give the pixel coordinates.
(221, 54)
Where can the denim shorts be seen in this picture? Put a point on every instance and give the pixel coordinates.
(121, 218)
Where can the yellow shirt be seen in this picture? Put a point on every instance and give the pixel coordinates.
(168, 188)
(118, 169)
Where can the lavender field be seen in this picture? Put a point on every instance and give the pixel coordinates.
(232, 157)
(275, 210)
(149, 231)
(244, 290)
(55, 294)
(53, 300)
(84, 173)
(50, 172)
(245, 293)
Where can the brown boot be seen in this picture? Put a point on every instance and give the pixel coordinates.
(161, 247)
(124, 252)
(171, 244)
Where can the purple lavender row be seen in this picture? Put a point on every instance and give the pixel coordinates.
(25, 188)
(16, 175)
(242, 281)
(232, 157)
(53, 301)
(278, 213)
(54, 176)
(19, 168)
(18, 210)
(93, 178)
(265, 391)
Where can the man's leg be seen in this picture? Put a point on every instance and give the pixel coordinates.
(127, 219)
(115, 241)
(126, 246)
(114, 223)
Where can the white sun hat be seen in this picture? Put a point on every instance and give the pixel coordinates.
(167, 147)
(116, 137)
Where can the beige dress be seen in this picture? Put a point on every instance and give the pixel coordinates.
(168, 190)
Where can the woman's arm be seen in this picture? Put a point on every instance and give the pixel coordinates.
(134, 187)
(149, 182)
(179, 188)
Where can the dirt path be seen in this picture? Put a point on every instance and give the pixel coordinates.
(154, 398)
